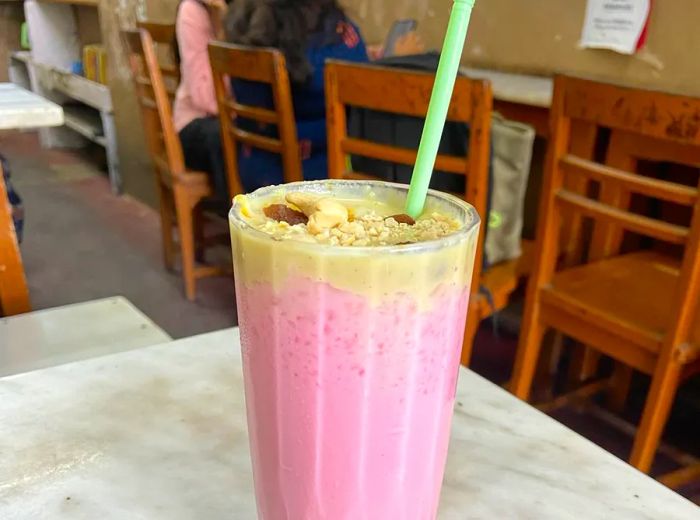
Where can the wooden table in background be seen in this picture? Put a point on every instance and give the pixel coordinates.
(19, 109)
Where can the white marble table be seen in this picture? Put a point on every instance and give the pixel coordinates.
(524, 89)
(50, 337)
(20, 108)
(521, 97)
(159, 433)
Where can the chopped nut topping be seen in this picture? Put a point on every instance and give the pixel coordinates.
(323, 212)
(306, 202)
(328, 214)
(326, 220)
(282, 213)
(402, 218)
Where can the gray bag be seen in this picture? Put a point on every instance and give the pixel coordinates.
(512, 153)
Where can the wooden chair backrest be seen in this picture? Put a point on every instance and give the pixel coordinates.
(268, 66)
(163, 37)
(408, 93)
(643, 124)
(163, 141)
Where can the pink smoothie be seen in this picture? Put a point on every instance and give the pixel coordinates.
(349, 400)
(350, 350)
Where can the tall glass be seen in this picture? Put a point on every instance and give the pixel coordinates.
(350, 362)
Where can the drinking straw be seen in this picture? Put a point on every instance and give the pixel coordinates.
(439, 103)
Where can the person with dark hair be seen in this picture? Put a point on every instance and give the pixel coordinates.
(195, 111)
(307, 32)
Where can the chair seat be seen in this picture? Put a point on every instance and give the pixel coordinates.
(628, 296)
(196, 183)
(193, 178)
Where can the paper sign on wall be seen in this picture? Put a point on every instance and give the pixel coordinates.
(618, 25)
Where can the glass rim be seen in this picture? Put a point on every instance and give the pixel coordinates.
(236, 218)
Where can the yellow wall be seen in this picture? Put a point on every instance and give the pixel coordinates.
(536, 36)
(541, 36)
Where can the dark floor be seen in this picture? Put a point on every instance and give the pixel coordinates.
(82, 243)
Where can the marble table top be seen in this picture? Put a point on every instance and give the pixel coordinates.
(20, 108)
(523, 89)
(160, 433)
(49, 337)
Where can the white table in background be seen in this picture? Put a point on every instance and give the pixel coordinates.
(524, 89)
(160, 433)
(50, 337)
(20, 108)
(521, 97)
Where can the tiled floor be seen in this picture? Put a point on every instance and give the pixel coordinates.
(82, 243)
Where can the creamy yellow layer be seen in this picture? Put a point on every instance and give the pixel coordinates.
(375, 272)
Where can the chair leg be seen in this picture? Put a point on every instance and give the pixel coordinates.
(185, 221)
(619, 386)
(584, 365)
(473, 320)
(529, 347)
(664, 385)
(199, 248)
(589, 367)
(552, 346)
(167, 222)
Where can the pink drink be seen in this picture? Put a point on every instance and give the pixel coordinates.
(350, 358)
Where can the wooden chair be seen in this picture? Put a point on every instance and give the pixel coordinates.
(180, 190)
(163, 36)
(639, 308)
(231, 62)
(408, 93)
(161, 33)
(14, 295)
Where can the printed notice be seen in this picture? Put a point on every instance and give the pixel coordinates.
(618, 25)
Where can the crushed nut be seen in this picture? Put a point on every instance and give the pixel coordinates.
(329, 214)
(402, 218)
(306, 202)
(282, 213)
(325, 220)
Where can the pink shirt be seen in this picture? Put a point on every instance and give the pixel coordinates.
(195, 96)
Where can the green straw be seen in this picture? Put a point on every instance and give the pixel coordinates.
(439, 103)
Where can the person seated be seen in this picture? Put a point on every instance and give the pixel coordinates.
(195, 110)
(307, 32)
